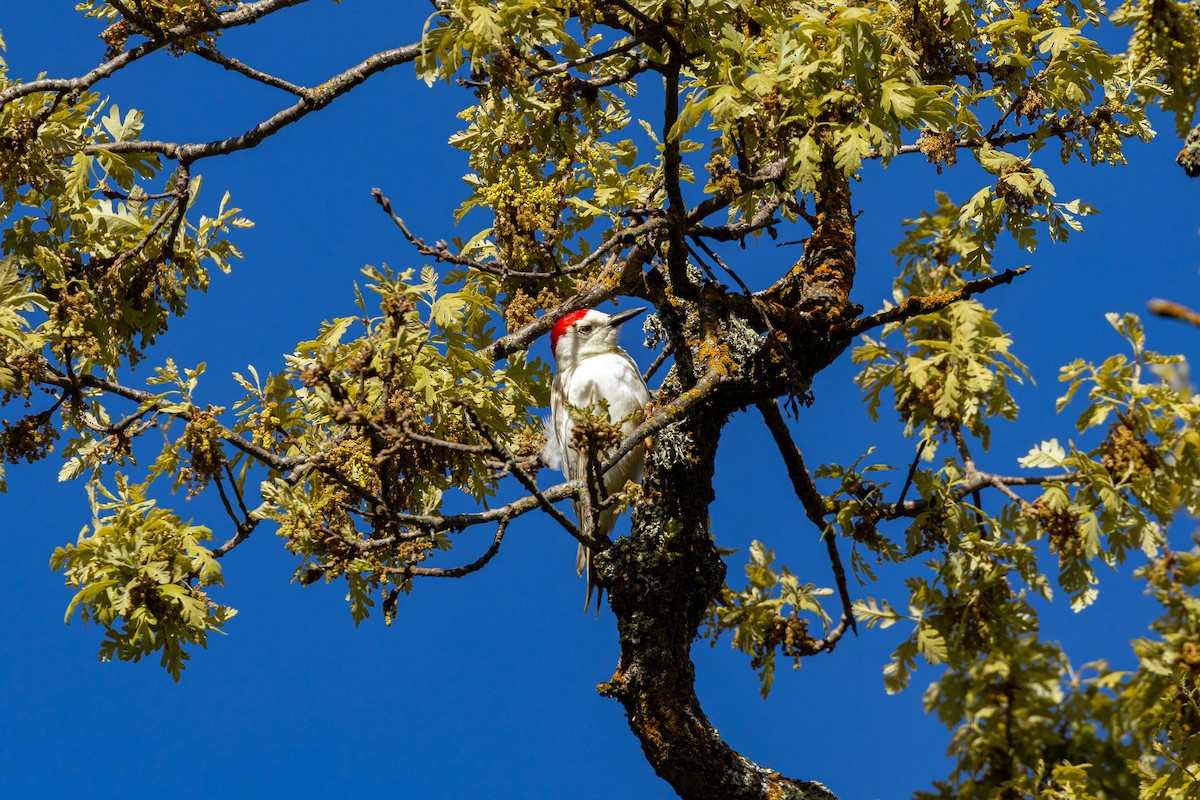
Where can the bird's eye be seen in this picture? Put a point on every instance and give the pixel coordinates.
(585, 329)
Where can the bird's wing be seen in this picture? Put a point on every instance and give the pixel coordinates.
(557, 453)
(637, 398)
(552, 452)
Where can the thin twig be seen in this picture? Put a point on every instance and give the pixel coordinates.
(980, 480)
(458, 522)
(240, 67)
(563, 66)
(972, 143)
(912, 470)
(968, 462)
(237, 491)
(457, 447)
(158, 225)
(225, 501)
(657, 363)
(1002, 487)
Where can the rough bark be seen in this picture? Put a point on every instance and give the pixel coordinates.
(818, 285)
(664, 576)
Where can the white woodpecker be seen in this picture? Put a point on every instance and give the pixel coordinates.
(593, 373)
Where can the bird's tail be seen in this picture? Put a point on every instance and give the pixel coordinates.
(585, 567)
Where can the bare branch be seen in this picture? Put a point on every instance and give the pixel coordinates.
(563, 66)
(980, 480)
(912, 469)
(968, 462)
(1002, 487)
(240, 67)
(458, 522)
(220, 481)
(175, 207)
(441, 251)
(237, 492)
(763, 218)
(528, 482)
(252, 518)
(672, 160)
(655, 365)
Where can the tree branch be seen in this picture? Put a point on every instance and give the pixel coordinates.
(815, 508)
(456, 572)
(458, 522)
(252, 518)
(919, 305)
(233, 65)
(441, 251)
(582, 61)
(769, 174)
(979, 480)
(677, 409)
(312, 100)
(528, 482)
(763, 218)
(681, 284)
(77, 383)
(1172, 310)
(242, 15)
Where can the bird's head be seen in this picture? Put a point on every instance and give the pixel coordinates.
(585, 333)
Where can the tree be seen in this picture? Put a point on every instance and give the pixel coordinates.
(363, 448)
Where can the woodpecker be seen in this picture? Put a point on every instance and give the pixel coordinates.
(593, 372)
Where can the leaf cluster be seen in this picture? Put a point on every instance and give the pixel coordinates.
(391, 420)
(1023, 721)
(764, 618)
(1165, 43)
(141, 573)
(107, 260)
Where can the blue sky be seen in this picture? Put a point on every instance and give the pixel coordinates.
(486, 686)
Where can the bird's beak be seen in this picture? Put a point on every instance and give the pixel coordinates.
(617, 319)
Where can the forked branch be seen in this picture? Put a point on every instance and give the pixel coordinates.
(313, 100)
(243, 15)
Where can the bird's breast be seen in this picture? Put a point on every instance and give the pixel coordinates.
(611, 377)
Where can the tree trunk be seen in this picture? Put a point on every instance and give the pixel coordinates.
(661, 579)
